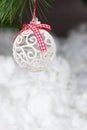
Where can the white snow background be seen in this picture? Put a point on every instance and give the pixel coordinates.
(52, 100)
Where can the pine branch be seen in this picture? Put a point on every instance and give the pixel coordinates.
(10, 8)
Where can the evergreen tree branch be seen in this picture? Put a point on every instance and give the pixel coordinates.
(10, 8)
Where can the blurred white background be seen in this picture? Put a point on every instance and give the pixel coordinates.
(54, 99)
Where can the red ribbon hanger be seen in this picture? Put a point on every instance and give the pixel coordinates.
(35, 28)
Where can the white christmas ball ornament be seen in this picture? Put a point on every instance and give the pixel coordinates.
(27, 53)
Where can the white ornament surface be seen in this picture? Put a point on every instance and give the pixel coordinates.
(27, 53)
(45, 101)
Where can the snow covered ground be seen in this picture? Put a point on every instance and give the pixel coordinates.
(52, 100)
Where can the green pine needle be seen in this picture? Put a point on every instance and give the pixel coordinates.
(9, 9)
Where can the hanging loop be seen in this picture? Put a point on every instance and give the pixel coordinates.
(34, 13)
